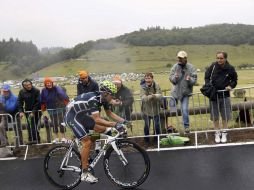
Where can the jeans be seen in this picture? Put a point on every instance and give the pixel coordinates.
(156, 123)
(185, 111)
(184, 108)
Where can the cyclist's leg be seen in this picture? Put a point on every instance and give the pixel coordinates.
(81, 133)
(86, 146)
(99, 128)
(72, 119)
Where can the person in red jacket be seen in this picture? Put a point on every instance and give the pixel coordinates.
(54, 99)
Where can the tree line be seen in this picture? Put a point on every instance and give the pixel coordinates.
(231, 34)
(25, 56)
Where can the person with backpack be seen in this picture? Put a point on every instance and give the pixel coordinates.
(150, 93)
(183, 76)
(224, 78)
(54, 99)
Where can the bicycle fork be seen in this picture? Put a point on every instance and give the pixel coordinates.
(120, 154)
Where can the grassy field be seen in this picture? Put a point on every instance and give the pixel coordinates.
(142, 59)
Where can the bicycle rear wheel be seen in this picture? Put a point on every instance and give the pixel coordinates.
(64, 179)
(134, 173)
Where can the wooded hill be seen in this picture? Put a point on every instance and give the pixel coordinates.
(19, 59)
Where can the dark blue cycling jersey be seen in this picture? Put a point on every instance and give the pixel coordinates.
(90, 102)
(78, 112)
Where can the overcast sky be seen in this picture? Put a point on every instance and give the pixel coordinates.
(50, 23)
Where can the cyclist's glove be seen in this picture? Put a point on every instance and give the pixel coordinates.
(127, 123)
(120, 127)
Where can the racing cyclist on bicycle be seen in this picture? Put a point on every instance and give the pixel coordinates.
(83, 114)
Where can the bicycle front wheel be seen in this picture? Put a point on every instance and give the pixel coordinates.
(134, 173)
(62, 170)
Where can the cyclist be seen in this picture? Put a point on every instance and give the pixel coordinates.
(83, 114)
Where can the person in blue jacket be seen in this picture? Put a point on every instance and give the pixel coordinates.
(10, 106)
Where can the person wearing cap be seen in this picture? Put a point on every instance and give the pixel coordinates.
(54, 99)
(224, 78)
(123, 99)
(29, 105)
(86, 83)
(183, 76)
(10, 106)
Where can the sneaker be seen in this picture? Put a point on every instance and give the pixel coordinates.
(64, 140)
(55, 141)
(224, 137)
(187, 130)
(217, 136)
(88, 177)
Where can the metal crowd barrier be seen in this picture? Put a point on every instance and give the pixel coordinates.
(170, 118)
(10, 131)
(42, 128)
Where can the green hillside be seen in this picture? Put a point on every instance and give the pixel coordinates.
(152, 49)
(143, 58)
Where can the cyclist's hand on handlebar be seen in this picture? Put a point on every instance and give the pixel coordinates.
(120, 127)
(127, 123)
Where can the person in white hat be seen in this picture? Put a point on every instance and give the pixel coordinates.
(183, 76)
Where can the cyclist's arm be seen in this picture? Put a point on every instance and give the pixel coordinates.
(100, 121)
(113, 116)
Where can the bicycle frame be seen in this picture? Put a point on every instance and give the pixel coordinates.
(109, 140)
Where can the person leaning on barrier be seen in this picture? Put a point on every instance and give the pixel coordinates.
(29, 97)
(83, 114)
(224, 78)
(53, 100)
(3, 135)
(183, 76)
(10, 106)
(123, 99)
(86, 83)
(150, 93)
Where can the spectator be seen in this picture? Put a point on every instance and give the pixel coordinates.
(150, 94)
(29, 97)
(3, 135)
(86, 83)
(10, 106)
(183, 76)
(224, 77)
(54, 99)
(123, 99)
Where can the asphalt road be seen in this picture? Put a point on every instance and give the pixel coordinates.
(223, 168)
